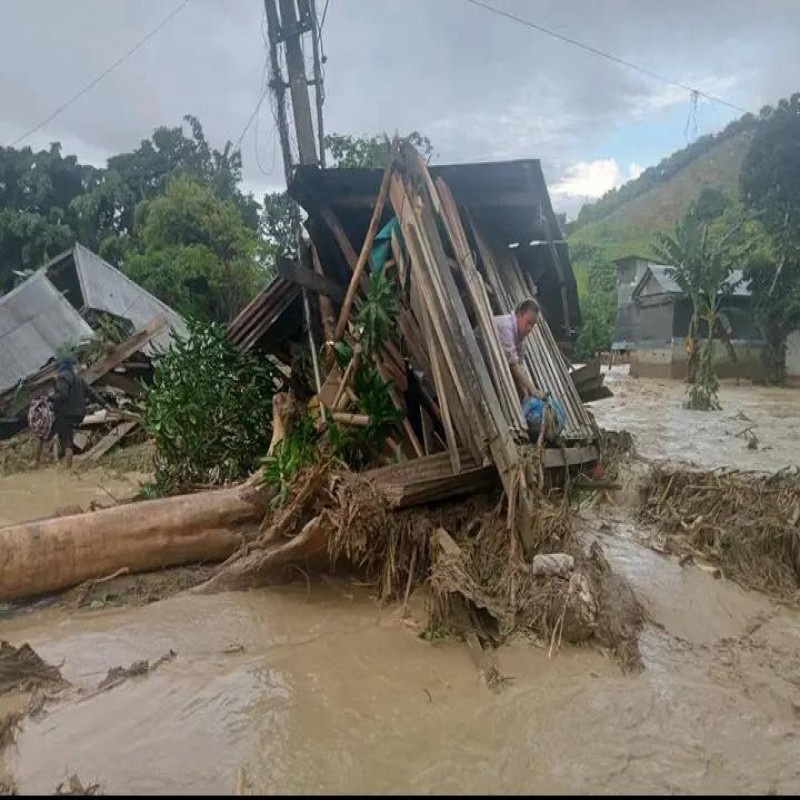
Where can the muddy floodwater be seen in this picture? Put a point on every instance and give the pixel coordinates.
(319, 689)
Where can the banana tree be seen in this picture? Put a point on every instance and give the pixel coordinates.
(703, 268)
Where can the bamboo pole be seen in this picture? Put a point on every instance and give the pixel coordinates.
(366, 247)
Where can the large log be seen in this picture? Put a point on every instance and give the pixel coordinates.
(54, 554)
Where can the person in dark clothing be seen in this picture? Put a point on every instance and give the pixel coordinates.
(69, 408)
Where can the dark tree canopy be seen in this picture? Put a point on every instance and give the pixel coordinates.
(770, 177)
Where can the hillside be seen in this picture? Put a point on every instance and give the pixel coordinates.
(624, 221)
(629, 227)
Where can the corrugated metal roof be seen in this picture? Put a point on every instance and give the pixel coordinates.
(105, 288)
(35, 320)
(263, 313)
(664, 276)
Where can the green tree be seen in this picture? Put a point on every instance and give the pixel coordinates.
(710, 204)
(36, 221)
(702, 266)
(352, 152)
(196, 251)
(147, 170)
(598, 305)
(279, 217)
(770, 187)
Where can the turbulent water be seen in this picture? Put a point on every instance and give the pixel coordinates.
(318, 689)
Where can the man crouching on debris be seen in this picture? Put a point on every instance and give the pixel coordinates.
(68, 402)
(512, 329)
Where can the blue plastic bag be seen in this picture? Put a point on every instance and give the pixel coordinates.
(533, 409)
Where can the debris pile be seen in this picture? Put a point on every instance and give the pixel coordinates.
(22, 669)
(75, 786)
(747, 523)
(116, 371)
(478, 579)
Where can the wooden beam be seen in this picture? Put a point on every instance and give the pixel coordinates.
(325, 304)
(554, 457)
(292, 271)
(358, 270)
(108, 441)
(124, 350)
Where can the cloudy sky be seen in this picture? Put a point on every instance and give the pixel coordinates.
(480, 86)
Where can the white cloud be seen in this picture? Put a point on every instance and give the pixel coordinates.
(634, 171)
(587, 180)
(594, 178)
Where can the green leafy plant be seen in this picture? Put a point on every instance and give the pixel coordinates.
(290, 455)
(376, 319)
(209, 410)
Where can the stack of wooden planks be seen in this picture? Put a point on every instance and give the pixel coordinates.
(462, 426)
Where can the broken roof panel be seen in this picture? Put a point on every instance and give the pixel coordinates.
(509, 199)
(105, 288)
(35, 321)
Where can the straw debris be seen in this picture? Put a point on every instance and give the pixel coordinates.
(746, 523)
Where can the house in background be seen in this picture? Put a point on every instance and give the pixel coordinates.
(660, 314)
(630, 271)
(58, 305)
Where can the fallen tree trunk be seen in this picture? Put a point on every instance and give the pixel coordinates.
(54, 554)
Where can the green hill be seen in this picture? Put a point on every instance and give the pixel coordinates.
(624, 221)
(628, 227)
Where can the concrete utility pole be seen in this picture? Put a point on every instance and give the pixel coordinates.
(285, 32)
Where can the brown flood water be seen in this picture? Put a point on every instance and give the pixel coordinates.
(319, 689)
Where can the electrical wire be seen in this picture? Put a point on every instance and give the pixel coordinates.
(604, 54)
(89, 86)
(324, 14)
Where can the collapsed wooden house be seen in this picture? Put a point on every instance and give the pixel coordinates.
(469, 242)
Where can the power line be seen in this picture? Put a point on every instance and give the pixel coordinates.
(324, 14)
(103, 74)
(262, 95)
(604, 54)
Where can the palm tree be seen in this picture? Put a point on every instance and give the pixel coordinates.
(702, 267)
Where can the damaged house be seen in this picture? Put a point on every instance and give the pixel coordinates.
(462, 243)
(60, 303)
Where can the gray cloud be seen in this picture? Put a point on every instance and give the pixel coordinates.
(480, 86)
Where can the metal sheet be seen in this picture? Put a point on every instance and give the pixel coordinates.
(105, 288)
(35, 321)
(259, 320)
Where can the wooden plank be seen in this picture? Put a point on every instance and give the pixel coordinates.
(108, 441)
(554, 457)
(441, 393)
(342, 418)
(496, 360)
(292, 271)
(325, 304)
(366, 247)
(124, 350)
(428, 440)
(400, 260)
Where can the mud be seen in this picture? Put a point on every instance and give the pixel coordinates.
(318, 688)
(652, 411)
(44, 493)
